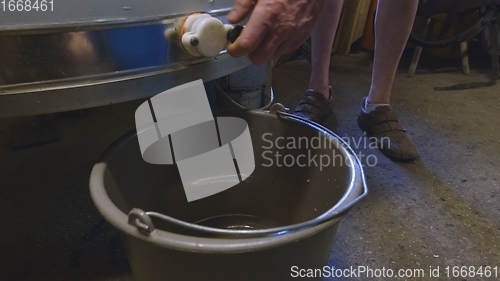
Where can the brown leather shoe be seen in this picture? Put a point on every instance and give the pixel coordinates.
(391, 138)
(314, 106)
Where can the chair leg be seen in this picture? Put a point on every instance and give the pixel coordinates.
(414, 61)
(464, 49)
(495, 52)
(418, 50)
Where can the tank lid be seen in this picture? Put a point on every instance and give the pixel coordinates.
(54, 13)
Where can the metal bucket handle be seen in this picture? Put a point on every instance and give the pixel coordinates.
(141, 219)
(238, 105)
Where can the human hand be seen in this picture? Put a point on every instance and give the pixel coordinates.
(276, 27)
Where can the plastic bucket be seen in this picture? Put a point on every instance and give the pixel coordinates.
(281, 219)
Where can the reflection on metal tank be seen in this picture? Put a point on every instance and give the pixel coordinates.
(91, 53)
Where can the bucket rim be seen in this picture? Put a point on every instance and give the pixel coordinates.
(243, 240)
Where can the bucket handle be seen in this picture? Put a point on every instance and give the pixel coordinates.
(240, 106)
(142, 220)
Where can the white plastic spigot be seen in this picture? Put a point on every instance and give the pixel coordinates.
(204, 35)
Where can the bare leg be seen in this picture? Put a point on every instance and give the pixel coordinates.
(322, 42)
(393, 24)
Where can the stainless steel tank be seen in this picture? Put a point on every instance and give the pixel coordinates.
(79, 54)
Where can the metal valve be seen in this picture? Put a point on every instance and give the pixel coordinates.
(204, 35)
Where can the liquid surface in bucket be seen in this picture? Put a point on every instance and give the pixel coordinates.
(232, 222)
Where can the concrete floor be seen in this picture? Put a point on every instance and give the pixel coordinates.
(441, 210)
